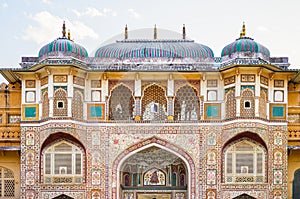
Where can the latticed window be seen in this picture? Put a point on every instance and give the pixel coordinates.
(187, 104)
(77, 105)
(154, 103)
(263, 103)
(60, 103)
(45, 102)
(247, 103)
(121, 104)
(230, 102)
(63, 163)
(245, 162)
(7, 183)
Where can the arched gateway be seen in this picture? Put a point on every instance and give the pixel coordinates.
(153, 168)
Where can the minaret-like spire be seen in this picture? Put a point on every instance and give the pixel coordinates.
(243, 33)
(126, 32)
(183, 32)
(244, 29)
(64, 30)
(69, 35)
(155, 32)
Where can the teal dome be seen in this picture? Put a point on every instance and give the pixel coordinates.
(63, 46)
(245, 44)
(155, 48)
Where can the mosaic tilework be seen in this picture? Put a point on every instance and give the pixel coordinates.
(200, 145)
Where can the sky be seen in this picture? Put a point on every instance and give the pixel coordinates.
(27, 25)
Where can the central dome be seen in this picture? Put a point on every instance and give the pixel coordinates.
(155, 48)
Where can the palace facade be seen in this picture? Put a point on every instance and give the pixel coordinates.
(150, 119)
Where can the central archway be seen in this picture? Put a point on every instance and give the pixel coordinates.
(170, 168)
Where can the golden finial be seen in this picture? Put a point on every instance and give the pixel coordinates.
(126, 32)
(244, 30)
(69, 35)
(241, 34)
(64, 29)
(155, 32)
(183, 32)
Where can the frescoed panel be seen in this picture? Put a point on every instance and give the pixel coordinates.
(96, 111)
(30, 112)
(30, 96)
(30, 178)
(154, 177)
(96, 177)
(212, 111)
(30, 83)
(277, 111)
(211, 176)
(29, 157)
(277, 176)
(29, 138)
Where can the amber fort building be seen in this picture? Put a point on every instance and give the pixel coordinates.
(150, 119)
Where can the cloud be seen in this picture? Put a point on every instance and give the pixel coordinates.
(93, 12)
(133, 13)
(4, 5)
(48, 27)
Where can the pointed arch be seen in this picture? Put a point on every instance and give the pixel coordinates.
(7, 183)
(244, 158)
(154, 103)
(187, 103)
(121, 103)
(296, 185)
(71, 150)
(147, 143)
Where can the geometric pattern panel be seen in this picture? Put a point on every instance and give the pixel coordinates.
(154, 103)
(247, 103)
(187, 104)
(7, 183)
(77, 105)
(60, 103)
(230, 103)
(45, 105)
(263, 99)
(121, 103)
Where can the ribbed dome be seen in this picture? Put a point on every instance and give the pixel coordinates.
(65, 46)
(155, 48)
(245, 44)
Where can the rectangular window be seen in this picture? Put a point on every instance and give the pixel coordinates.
(212, 83)
(78, 164)
(259, 163)
(229, 163)
(62, 160)
(243, 161)
(14, 119)
(47, 164)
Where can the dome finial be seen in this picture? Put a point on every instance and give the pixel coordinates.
(183, 32)
(126, 32)
(244, 30)
(69, 35)
(64, 30)
(155, 32)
